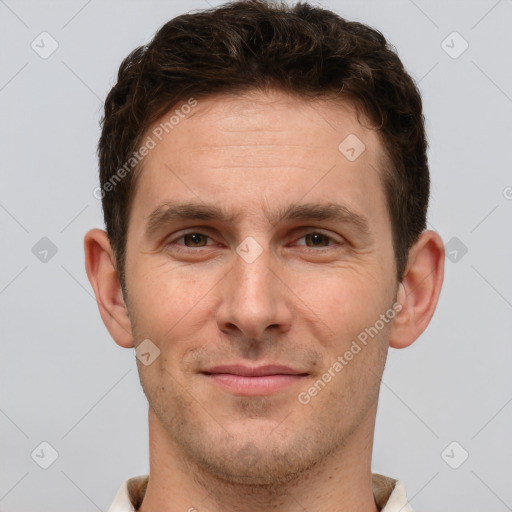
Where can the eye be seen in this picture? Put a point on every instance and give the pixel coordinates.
(315, 242)
(196, 239)
(318, 240)
(190, 241)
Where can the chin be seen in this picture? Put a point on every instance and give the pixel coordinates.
(263, 473)
(258, 463)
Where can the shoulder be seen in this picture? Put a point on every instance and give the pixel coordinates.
(390, 494)
(130, 495)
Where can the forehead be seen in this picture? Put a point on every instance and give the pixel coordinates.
(266, 119)
(231, 148)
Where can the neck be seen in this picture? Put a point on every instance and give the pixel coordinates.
(340, 483)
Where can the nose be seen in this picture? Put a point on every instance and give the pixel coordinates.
(255, 299)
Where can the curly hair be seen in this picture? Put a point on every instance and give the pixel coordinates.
(257, 44)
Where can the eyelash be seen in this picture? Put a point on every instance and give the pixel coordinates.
(306, 249)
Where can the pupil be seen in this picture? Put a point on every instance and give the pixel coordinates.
(316, 237)
(196, 238)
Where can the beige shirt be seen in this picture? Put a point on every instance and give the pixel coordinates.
(389, 494)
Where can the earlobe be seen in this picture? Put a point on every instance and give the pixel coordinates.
(100, 268)
(419, 291)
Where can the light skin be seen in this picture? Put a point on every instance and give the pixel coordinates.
(316, 285)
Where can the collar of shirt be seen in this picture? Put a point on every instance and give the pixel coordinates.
(390, 495)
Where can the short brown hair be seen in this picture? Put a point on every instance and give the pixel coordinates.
(256, 44)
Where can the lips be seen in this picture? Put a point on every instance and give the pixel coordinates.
(254, 381)
(258, 371)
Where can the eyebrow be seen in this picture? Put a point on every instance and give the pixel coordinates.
(170, 211)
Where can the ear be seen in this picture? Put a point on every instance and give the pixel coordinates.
(419, 290)
(100, 267)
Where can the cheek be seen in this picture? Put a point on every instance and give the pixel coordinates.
(172, 308)
(346, 300)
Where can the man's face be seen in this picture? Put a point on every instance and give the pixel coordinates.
(263, 288)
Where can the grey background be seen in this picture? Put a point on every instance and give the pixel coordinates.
(64, 381)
